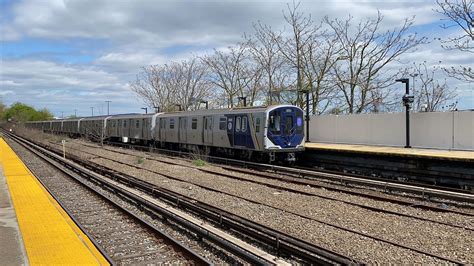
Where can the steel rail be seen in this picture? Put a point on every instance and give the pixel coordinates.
(301, 181)
(303, 216)
(283, 242)
(424, 190)
(280, 241)
(71, 172)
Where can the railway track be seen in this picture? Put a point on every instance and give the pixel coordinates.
(421, 190)
(120, 235)
(302, 192)
(135, 190)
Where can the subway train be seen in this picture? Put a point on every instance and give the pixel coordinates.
(270, 133)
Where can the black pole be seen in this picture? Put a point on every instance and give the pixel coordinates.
(407, 99)
(407, 115)
(207, 105)
(307, 116)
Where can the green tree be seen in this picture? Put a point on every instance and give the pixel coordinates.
(21, 112)
(2, 110)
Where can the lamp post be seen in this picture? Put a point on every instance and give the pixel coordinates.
(146, 109)
(92, 108)
(157, 109)
(108, 113)
(206, 102)
(244, 99)
(75, 112)
(307, 113)
(407, 100)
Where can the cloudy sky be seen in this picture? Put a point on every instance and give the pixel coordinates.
(71, 55)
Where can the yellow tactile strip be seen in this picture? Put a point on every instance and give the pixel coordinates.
(398, 151)
(49, 235)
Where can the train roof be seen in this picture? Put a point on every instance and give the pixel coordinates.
(238, 110)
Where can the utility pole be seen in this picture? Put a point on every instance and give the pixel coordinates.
(108, 113)
(146, 109)
(62, 114)
(92, 108)
(75, 112)
(307, 114)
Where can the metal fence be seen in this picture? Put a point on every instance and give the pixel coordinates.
(443, 130)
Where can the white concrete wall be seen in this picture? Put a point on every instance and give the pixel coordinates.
(445, 130)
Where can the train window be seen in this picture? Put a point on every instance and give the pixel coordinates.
(229, 124)
(137, 124)
(244, 124)
(275, 123)
(288, 125)
(171, 123)
(124, 123)
(237, 124)
(257, 124)
(222, 123)
(194, 123)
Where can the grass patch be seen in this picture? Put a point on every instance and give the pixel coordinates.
(199, 162)
(140, 160)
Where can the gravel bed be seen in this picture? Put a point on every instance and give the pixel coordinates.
(91, 214)
(438, 239)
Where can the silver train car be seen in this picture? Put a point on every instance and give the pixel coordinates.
(277, 132)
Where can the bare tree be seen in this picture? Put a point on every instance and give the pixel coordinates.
(264, 50)
(365, 53)
(460, 14)
(431, 93)
(233, 72)
(319, 59)
(167, 86)
(294, 46)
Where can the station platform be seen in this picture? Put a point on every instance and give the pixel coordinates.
(452, 155)
(34, 228)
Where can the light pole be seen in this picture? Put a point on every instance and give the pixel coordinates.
(146, 109)
(244, 99)
(75, 112)
(407, 100)
(92, 108)
(62, 114)
(157, 109)
(179, 106)
(108, 102)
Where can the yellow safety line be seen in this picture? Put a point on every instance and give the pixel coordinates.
(49, 234)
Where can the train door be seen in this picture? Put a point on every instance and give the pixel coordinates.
(239, 131)
(182, 132)
(162, 129)
(207, 130)
(144, 128)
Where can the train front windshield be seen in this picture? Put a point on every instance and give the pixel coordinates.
(286, 121)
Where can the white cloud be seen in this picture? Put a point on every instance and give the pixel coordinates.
(138, 33)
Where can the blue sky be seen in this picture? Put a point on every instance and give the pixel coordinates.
(66, 55)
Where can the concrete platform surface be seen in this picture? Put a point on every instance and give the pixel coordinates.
(49, 235)
(12, 249)
(397, 151)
